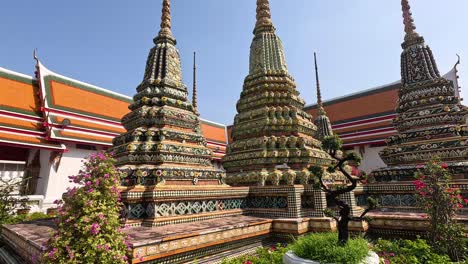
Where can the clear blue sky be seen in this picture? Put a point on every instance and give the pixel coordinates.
(106, 42)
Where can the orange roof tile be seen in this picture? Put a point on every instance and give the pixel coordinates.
(357, 106)
(75, 122)
(214, 132)
(18, 93)
(77, 136)
(25, 124)
(19, 139)
(20, 116)
(82, 101)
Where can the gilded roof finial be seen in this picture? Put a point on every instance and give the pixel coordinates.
(263, 15)
(35, 56)
(408, 21)
(320, 109)
(194, 93)
(165, 20)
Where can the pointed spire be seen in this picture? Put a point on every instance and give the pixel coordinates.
(263, 16)
(408, 21)
(165, 31)
(322, 121)
(320, 109)
(194, 93)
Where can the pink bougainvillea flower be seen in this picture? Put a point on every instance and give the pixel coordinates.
(52, 252)
(419, 184)
(34, 258)
(95, 227)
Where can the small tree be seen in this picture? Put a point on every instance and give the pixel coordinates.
(88, 224)
(441, 202)
(10, 200)
(332, 145)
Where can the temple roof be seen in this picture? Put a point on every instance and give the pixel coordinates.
(20, 116)
(55, 109)
(79, 112)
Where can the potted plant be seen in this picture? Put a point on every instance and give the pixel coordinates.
(338, 243)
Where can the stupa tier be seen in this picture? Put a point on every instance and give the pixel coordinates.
(431, 121)
(272, 137)
(163, 144)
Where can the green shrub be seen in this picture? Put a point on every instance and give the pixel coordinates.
(9, 201)
(324, 247)
(271, 255)
(408, 251)
(15, 219)
(31, 217)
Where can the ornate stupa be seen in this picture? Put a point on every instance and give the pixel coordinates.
(322, 121)
(272, 137)
(431, 121)
(163, 144)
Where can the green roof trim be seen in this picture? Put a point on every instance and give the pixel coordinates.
(54, 120)
(19, 127)
(207, 122)
(58, 135)
(17, 78)
(20, 111)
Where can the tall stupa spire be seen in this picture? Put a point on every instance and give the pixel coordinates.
(322, 121)
(317, 83)
(417, 61)
(263, 16)
(194, 90)
(408, 21)
(165, 31)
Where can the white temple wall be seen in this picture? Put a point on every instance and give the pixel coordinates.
(370, 157)
(44, 172)
(52, 184)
